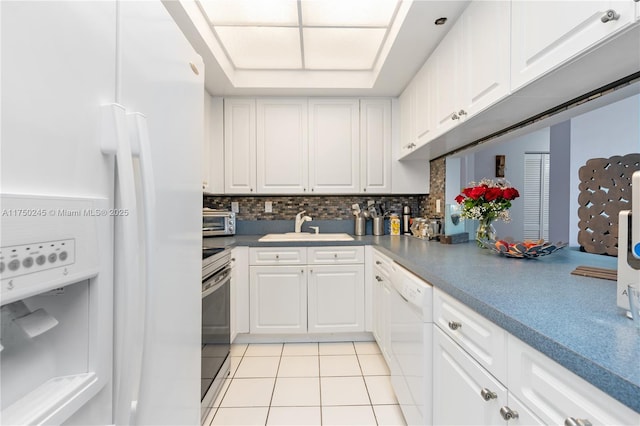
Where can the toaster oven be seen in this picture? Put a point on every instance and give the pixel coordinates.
(218, 222)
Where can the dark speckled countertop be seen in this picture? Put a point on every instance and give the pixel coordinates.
(573, 320)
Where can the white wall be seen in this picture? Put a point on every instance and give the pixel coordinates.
(602, 133)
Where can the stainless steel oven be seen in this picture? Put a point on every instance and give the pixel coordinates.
(216, 329)
(218, 222)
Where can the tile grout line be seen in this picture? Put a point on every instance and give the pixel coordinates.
(366, 386)
(273, 391)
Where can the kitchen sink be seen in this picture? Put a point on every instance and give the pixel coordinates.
(305, 236)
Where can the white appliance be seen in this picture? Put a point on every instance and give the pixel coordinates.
(102, 109)
(411, 323)
(629, 245)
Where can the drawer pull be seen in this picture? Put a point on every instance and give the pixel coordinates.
(378, 262)
(277, 256)
(454, 325)
(378, 278)
(572, 421)
(610, 15)
(508, 414)
(488, 395)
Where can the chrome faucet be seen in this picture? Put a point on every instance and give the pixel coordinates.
(300, 219)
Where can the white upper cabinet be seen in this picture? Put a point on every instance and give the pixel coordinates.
(407, 121)
(375, 146)
(334, 162)
(446, 64)
(471, 65)
(239, 146)
(485, 54)
(282, 146)
(213, 147)
(545, 35)
(416, 105)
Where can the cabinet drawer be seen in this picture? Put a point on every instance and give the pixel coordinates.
(555, 394)
(278, 256)
(335, 255)
(482, 339)
(382, 265)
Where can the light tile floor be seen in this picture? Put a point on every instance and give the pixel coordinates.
(344, 383)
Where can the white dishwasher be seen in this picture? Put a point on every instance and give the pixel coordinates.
(410, 328)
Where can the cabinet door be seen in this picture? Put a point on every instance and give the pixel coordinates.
(278, 299)
(459, 383)
(336, 298)
(485, 61)
(423, 116)
(546, 35)
(555, 394)
(282, 146)
(407, 119)
(449, 81)
(239, 291)
(213, 150)
(334, 145)
(375, 146)
(239, 146)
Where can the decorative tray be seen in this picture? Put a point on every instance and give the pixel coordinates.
(524, 249)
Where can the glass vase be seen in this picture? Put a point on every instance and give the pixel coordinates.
(485, 231)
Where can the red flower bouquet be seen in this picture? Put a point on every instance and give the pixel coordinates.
(487, 201)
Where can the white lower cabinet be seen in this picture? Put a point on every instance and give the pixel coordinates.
(492, 378)
(335, 298)
(557, 395)
(290, 294)
(239, 291)
(382, 271)
(464, 393)
(278, 299)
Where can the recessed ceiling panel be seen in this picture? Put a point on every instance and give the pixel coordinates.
(251, 12)
(348, 13)
(341, 48)
(261, 47)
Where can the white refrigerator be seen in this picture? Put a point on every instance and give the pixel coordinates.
(100, 263)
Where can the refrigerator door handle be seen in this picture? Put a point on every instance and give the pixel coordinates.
(141, 148)
(129, 302)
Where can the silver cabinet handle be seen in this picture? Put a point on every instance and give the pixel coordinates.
(378, 278)
(572, 421)
(462, 112)
(487, 394)
(508, 414)
(454, 325)
(455, 116)
(610, 15)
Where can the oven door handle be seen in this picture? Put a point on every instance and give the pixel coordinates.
(220, 279)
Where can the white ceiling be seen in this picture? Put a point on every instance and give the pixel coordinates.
(313, 47)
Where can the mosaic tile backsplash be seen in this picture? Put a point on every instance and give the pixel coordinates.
(334, 207)
(331, 207)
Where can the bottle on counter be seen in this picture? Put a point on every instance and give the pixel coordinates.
(406, 220)
(394, 224)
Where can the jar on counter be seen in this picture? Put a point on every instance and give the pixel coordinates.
(394, 224)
